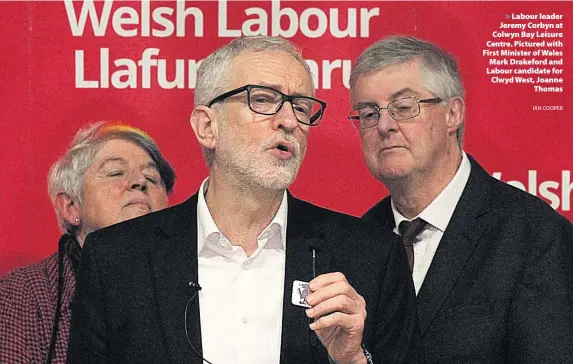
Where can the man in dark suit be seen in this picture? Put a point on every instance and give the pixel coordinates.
(492, 265)
(213, 279)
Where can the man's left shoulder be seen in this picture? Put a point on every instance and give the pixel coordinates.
(345, 230)
(335, 220)
(510, 200)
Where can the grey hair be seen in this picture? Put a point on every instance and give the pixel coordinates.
(439, 68)
(67, 173)
(213, 74)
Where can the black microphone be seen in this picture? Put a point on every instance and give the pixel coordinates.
(196, 287)
(316, 244)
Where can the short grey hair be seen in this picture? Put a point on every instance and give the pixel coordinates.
(439, 68)
(213, 74)
(67, 173)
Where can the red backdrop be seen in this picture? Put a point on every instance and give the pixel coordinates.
(53, 81)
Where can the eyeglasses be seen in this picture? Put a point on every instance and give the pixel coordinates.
(268, 101)
(366, 116)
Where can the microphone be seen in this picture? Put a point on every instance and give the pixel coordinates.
(316, 244)
(196, 287)
(317, 240)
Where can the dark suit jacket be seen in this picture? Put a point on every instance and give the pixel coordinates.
(132, 287)
(500, 287)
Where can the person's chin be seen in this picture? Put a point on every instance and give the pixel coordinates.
(278, 178)
(135, 210)
(388, 174)
(391, 168)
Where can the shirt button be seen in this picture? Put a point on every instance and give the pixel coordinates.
(247, 265)
(244, 319)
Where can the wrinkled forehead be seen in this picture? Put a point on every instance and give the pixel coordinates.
(273, 68)
(120, 148)
(390, 82)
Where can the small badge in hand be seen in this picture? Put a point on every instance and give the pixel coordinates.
(300, 290)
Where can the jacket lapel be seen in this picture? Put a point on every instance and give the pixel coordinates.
(456, 246)
(302, 236)
(173, 265)
(381, 215)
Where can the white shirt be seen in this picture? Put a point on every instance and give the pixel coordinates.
(437, 215)
(242, 297)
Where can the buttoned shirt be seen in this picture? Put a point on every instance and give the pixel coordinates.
(437, 216)
(242, 296)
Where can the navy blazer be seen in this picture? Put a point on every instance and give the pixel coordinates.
(132, 288)
(500, 286)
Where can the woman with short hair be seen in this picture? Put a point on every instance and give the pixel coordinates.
(111, 172)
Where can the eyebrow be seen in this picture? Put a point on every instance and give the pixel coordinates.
(123, 161)
(281, 89)
(364, 104)
(393, 97)
(402, 92)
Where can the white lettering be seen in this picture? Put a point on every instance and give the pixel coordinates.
(179, 79)
(261, 22)
(277, 14)
(119, 20)
(182, 13)
(365, 16)
(350, 30)
(167, 24)
(222, 21)
(566, 187)
(548, 190)
(77, 25)
(129, 74)
(286, 22)
(305, 20)
(80, 75)
(171, 73)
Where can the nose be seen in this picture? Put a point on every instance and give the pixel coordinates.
(138, 182)
(386, 124)
(285, 117)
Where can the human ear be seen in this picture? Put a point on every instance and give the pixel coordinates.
(68, 208)
(204, 123)
(455, 114)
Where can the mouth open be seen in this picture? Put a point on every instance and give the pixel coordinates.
(284, 150)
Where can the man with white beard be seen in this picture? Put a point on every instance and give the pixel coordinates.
(220, 278)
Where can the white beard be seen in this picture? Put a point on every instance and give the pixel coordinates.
(257, 168)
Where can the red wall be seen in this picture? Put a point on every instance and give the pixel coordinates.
(46, 93)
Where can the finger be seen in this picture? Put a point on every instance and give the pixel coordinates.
(351, 324)
(340, 303)
(326, 279)
(338, 288)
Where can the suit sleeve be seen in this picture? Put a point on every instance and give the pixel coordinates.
(88, 336)
(397, 335)
(540, 328)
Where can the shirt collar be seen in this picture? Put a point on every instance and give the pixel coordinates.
(207, 228)
(439, 212)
